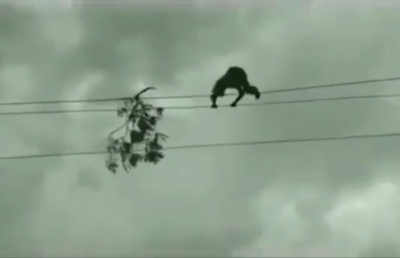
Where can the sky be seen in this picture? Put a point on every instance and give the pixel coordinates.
(314, 199)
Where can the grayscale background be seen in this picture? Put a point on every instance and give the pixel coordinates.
(313, 199)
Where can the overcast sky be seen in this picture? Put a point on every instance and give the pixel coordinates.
(327, 198)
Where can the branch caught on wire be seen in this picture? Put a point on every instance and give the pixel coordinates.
(141, 141)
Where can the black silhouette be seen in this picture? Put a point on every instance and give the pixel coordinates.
(234, 78)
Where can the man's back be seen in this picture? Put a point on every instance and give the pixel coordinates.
(236, 75)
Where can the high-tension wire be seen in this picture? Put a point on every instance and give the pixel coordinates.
(200, 95)
(215, 145)
(254, 104)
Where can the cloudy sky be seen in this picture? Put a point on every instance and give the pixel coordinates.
(327, 198)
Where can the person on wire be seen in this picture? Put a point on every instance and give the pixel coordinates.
(234, 78)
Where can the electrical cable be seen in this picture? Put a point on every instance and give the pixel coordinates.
(214, 145)
(255, 104)
(201, 95)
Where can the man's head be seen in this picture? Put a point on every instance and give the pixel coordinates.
(253, 90)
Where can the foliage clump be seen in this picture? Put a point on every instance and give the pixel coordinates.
(141, 141)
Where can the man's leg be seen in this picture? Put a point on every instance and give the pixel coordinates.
(241, 94)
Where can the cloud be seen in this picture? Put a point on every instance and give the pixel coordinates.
(205, 201)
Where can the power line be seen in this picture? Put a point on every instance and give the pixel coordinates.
(255, 104)
(215, 145)
(199, 95)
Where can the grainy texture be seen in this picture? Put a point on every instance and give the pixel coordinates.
(328, 198)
